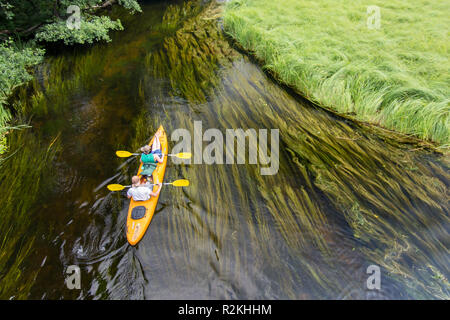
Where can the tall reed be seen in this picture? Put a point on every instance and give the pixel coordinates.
(395, 76)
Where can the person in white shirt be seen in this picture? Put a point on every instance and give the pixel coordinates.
(141, 191)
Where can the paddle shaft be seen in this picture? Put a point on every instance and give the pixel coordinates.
(167, 154)
(152, 184)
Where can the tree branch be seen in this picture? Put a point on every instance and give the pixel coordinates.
(21, 30)
(56, 9)
(104, 4)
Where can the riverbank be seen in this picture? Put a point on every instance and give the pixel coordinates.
(15, 61)
(24, 35)
(394, 76)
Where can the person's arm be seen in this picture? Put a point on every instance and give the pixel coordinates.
(154, 194)
(129, 193)
(157, 158)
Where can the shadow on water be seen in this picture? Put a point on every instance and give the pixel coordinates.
(344, 197)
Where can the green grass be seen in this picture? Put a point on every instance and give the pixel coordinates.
(16, 60)
(2, 144)
(396, 76)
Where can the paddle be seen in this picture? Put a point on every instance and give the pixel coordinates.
(176, 183)
(181, 155)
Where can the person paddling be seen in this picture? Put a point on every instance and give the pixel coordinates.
(141, 191)
(151, 156)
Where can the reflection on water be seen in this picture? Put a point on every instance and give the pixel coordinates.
(344, 197)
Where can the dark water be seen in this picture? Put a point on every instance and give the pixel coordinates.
(345, 196)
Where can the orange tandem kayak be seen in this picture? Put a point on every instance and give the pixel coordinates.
(140, 213)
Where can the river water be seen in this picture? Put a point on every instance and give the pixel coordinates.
(345, 196)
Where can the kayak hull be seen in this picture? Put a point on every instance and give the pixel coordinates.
(136, 228)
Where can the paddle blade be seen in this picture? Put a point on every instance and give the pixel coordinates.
(115, 187)
(124, 154)
(181, 183)
(183, 155)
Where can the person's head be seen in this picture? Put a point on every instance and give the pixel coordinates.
(146, 149)
(135, 181)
